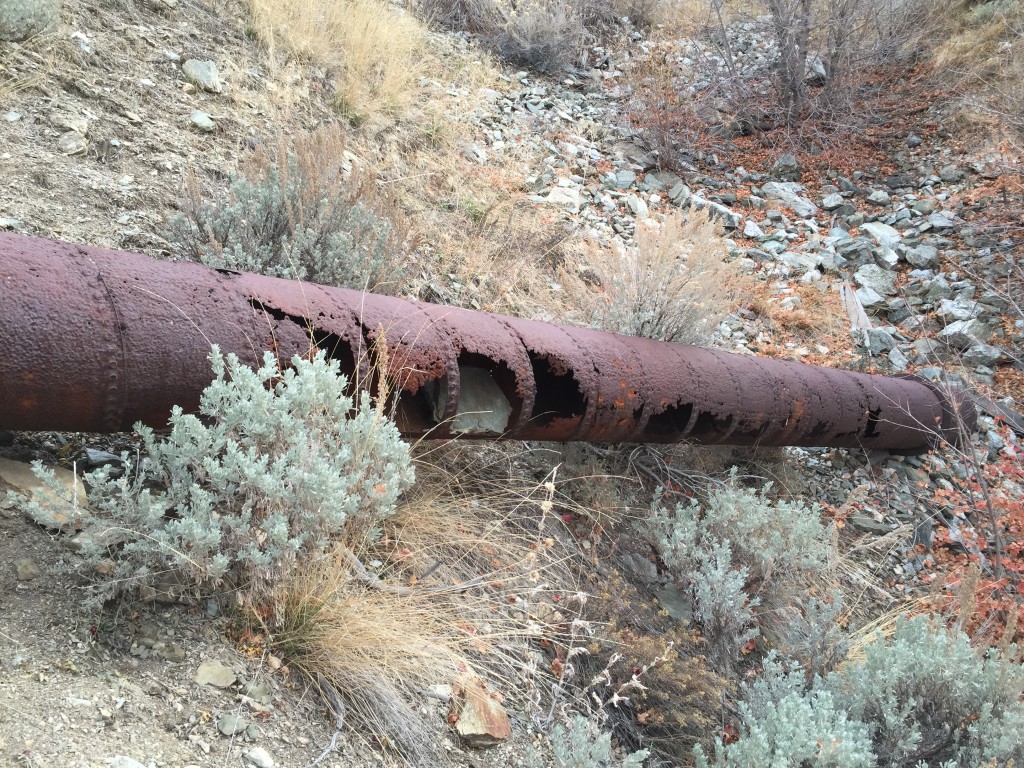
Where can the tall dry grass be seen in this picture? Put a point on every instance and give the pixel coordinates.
(449, 587)
(673, 284)
(979, 56)
(376, 51)
(24, 65)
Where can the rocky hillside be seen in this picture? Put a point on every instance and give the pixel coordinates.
(572, 182)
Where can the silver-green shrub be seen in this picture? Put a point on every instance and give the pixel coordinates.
(784, 724)
(742, 556)
(581, 743)
(924, 698)
(269, 471)
(930, 698)
(294, 221)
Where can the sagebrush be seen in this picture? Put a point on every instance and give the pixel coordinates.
(264, 477)
(580, 742)
(746, 562)
(924, 697)
(303, 211)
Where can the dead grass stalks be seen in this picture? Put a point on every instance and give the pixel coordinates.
(376, 51)
(673, 284)
(377, 649)
(23, 65)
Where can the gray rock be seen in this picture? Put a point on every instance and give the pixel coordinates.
(923, 256)
(787, 167)
(868, 524)
(122, 761)
(924, 207)
(637, 206)
(567, 196)
(22, 19)
(869, 297)
(476, 153)
(898, 360)
(900, 180)
(964, 334)
(729, 218)
(172, 652)
(752, 230)
(913, 140)
(9, 223)
(25, 569)
(942, 220)
(69, 121)
(676, 604)
(261, 693)
(259, 757)
(212, 672)
(928, 350)
(817, 71)
(800, 260)
(881, 233)
(679, 194)
(833, 201)
(95, 458)
(483, 407)
(879, 197)
(203, 121)
(951, 174)
(879, 340)
(879, 280)
(231, 725)
(72, 143)
(938, 288)
(624, 179)
(957, 309)
(983, 354)
(788, 194)
(204, 74)
(885, 257)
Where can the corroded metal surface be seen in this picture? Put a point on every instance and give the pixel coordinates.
(95, 340)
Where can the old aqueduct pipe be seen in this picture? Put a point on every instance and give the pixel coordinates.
(95, 340)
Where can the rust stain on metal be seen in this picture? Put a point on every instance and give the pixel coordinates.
(96, 340)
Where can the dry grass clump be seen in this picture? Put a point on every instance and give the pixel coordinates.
(980, 49)
(377, 52)
(371, 649)
(679, 701)
(449, 586)
(660, 108)
(672, 284)
(497, 256)
(23, 65)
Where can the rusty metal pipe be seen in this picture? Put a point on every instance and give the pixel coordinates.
(96, 340)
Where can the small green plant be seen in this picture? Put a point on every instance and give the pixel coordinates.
(273, 467)
(303, 212)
